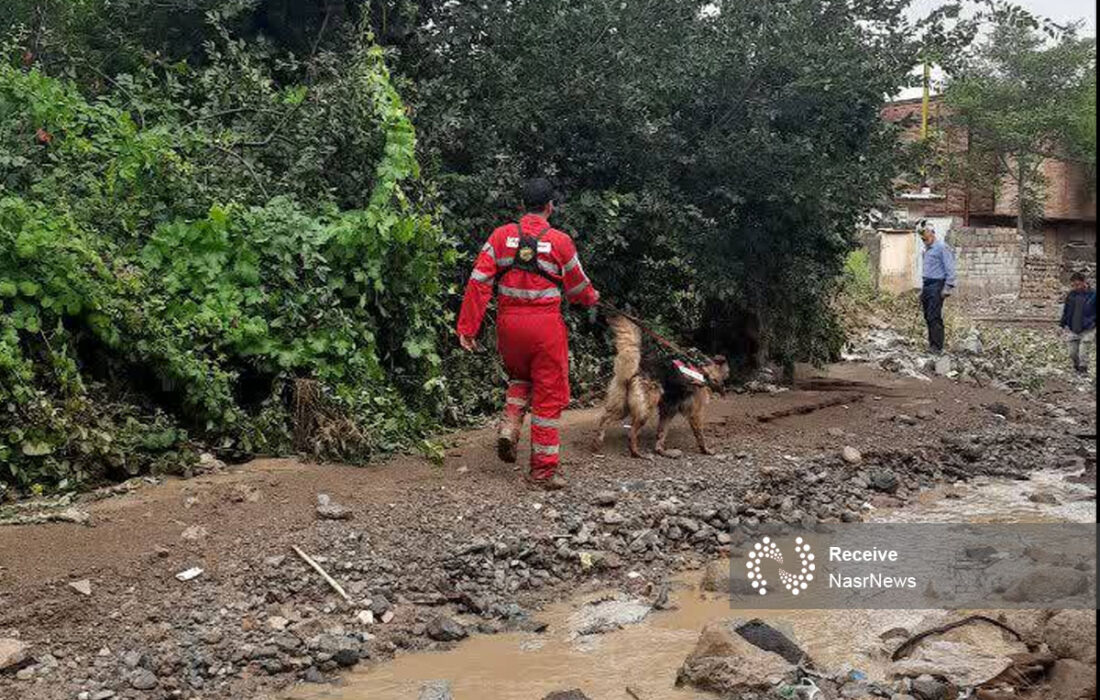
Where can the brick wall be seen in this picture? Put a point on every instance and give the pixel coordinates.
(1068, 193)
(990, 260)
(1041, 279)
(1070, 190)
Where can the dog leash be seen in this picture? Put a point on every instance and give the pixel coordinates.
(667, 344)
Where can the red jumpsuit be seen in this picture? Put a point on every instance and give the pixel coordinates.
(531, 335)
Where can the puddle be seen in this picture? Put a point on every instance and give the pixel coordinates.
(646, 656)
(1000, 501)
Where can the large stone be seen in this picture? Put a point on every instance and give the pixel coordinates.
(884, 480)
(612, 517)
(444, 629)
(723, 662)
(379, 605)
(851, 455)
(143, 680)
(929, 688)
(716, 577)
(1070, 634)
(1047, 585)
(606, 615)
(435, 690)
(606, 499)
(973, 343)
(344, 650)
(763, 636)
(12, 653)
(194, 533)
(333, 511)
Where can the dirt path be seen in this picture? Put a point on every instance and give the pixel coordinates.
(213, 637)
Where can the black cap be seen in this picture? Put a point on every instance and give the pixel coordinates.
(538, 193)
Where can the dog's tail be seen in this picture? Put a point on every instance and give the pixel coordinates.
(628, 347)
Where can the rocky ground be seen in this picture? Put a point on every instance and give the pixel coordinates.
(98, 605)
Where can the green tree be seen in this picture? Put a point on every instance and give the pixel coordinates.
(1024, 93)
(714, 154)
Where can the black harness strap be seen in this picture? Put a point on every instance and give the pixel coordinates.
(526, 257)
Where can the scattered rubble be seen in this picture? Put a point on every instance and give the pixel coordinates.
(1019, 360)
(425, 585)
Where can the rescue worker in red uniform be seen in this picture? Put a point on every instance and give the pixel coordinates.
(531, 266)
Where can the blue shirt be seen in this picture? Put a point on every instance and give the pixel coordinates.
(939, 263)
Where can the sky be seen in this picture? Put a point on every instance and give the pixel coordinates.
(1061, 11)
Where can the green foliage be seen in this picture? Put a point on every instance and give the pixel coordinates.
(722, 155)
(153, 299)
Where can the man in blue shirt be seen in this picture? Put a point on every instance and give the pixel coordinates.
(939, 283)
(1079, 321)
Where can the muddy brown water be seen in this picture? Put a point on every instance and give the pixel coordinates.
(645, 657)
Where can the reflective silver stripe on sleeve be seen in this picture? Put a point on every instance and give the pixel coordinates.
(478, 276)
(545, 449)
(515, 293)
(519, 382)
(505, 262)
(515, 401)
(550, 267)
(545, 422)
(578, 289)
(573, 262)
(488, 248)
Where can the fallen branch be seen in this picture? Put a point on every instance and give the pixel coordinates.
(324, 574)
(633, 693)
(810, 408)
(914, 640)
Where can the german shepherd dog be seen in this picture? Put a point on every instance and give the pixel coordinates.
(644, 385)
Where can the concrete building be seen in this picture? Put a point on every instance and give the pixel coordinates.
(981, 225)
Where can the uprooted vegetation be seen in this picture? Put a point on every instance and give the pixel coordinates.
(145, 310)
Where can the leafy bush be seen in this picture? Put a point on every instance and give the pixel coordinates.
(145, 311)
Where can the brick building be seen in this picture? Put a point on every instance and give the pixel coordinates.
(981, 225)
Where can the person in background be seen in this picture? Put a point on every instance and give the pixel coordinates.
(1079, 321)
(939, 283)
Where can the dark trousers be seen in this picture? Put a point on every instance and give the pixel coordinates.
(931, 301)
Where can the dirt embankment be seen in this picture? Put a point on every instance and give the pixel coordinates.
(469, 537)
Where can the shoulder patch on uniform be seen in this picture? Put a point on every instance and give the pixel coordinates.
(545, 247)
(512, 242)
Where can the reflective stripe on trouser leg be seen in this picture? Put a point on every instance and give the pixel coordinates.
(545, 444)
(516, 402)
